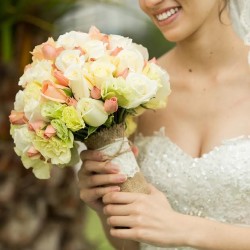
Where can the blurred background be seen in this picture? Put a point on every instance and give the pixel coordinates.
(35, 214)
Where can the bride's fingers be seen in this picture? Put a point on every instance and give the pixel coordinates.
(121, 198)
(93, 155)
(100, 167)
(93, 194)
(121, 221)
(125, 233)
(117, 210)
(105, 179)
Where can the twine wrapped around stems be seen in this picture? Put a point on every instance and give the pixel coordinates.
(114, 141)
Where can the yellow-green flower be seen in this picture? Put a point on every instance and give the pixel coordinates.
(72, 119)
(55, 149)
(52, 110)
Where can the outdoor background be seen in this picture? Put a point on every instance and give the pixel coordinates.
(35, 214)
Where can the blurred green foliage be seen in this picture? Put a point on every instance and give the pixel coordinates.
(38, 13)
(94, 233)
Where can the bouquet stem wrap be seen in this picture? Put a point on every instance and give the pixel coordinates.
(113, 143)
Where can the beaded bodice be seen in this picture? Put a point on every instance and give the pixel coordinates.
(215, 186)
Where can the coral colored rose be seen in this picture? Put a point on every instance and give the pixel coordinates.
(53, 93)
(116, 51)
(32, 152)
(38, 50)
(111, 105)
(17, 118)
(95, 33)
(153, 60)
(124, 73)
(95, 93)
(49, 52)
(49, 131)
(71, 102)
(37, 125)
(61, 78)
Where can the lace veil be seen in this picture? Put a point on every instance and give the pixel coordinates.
(240, 15)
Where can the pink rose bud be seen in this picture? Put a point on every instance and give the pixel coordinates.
(95, 33)
(124, 73)
(111, 105)
(71, 102)
(61, 78)
(59, 50)
(95, 93)
(32, 152)
(116, 51)
(105, 39)
(49, 131)
(49, 52)
(83, 52)
(153, 60)
(17, 118)
(34, 126)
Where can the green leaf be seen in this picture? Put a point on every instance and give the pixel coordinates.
(91, 130)
(110, 121)
(68, 92)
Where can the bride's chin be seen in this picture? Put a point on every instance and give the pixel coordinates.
(174, 37)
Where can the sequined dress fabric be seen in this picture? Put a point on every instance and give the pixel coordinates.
(215, 186)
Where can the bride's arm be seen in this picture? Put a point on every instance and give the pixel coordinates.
(150, 219)
(206, 234)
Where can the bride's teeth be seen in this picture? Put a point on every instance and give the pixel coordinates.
(167, 14)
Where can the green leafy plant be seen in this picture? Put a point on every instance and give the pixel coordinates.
(39, 13)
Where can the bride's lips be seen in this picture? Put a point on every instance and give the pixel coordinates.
(167, 16)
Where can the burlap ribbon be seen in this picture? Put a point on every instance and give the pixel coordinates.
(105, 137)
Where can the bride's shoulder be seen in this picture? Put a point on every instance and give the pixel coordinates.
(149, 122)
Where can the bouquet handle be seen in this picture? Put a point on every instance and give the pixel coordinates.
(115, 145)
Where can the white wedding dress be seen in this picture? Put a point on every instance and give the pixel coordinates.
(215, 186)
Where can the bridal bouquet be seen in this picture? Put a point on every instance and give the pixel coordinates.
(83, 87)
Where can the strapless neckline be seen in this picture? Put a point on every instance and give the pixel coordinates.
(161, 132)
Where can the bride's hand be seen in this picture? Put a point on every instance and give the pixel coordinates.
(144, 218)
(97, 177)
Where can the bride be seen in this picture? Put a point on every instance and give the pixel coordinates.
(196, 152)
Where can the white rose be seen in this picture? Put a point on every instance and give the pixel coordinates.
(71, 40)
(19, 101)
(162, 77)
(101, 70)
(78, 84)
(141, 49)
(22, 139)
(32, 110)
(140, 88)
(68, 58)
(131, 59)
(119, 41)
(31, 101)
(92, 111)
(38, 71)
(95, 49)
